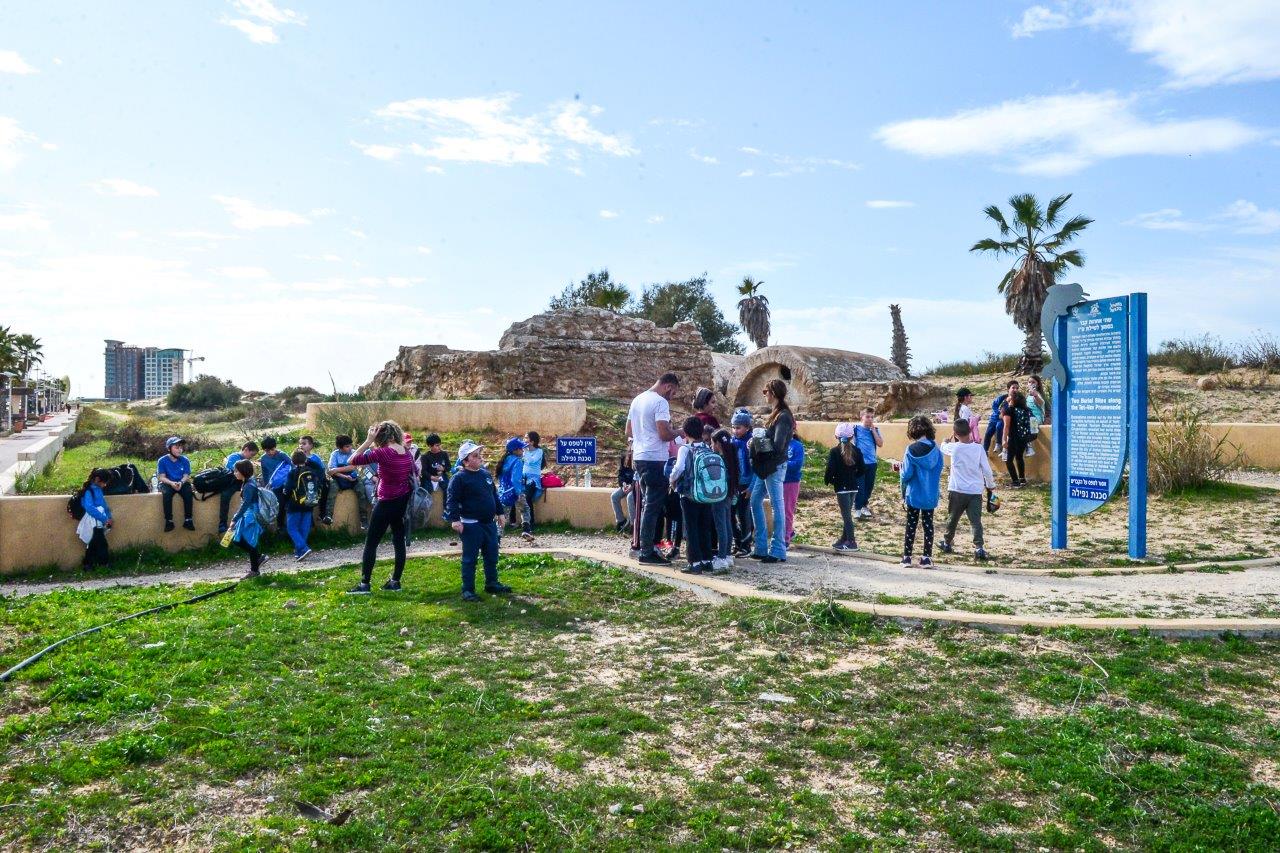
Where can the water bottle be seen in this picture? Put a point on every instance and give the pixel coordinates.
(155, 483)
(586, 478)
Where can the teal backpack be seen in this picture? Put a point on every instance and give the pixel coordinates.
(709, 483)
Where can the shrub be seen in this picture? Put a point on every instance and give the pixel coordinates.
(206, 392)
(990, 362)
(143, 438)
(1261, 352)
(1182, 454)
(91, 420)
(1197, 356)
(79, 438)
(353, 419)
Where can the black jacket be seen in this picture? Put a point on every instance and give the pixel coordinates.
(434, 464)
(782, 431)
(473, 495)
(626, 475)
(844, 477)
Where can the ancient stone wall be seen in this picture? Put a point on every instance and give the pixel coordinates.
(579, 352)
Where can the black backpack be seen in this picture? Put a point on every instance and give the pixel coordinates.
(213, 481)
(75, 507)
(306, 491)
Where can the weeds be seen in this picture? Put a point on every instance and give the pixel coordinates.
(990, 362)
(1183, 454)
(1197, 356)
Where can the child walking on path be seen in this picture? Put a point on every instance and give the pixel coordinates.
(921, 472)
(844, 473)
(93, 527)
(298, 496)
(245, 527)
(511, 489)
(473, 510)
(791, 484)
(867, 437)
(1017, 435)
(970, 475)
(699, 523)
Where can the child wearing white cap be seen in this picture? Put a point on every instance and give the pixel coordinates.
(473, 509)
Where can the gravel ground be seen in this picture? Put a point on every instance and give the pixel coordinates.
(1264, 479)
(1238, 593)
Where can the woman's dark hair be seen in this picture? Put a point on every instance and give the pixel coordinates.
(778, 389)
(960, 395)
(245, 468)
(846, 451)
(1010, 384)
(722, 441)
(534, 438)
(703, 398)
(298, 458)
(920, 427)
(693, 428)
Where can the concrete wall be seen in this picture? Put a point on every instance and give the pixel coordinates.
(1259, 442)
(549, 417)
(36, 532)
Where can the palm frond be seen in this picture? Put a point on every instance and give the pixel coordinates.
(1072, 258)
(1026, 211)
(997, 246)
(993, 212)
(1073, 227)
(1055, 206)
(1008, 277)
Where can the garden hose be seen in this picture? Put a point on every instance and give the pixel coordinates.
(14, 670)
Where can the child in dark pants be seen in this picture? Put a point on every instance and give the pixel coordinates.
(699, 520)
(844, 474)
(245, 525)
(920, 471)
(472, 508)
(93, 527)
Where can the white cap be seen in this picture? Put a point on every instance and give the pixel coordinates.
(467, 448)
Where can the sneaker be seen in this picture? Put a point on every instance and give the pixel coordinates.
(328, 519)
(720, 566)
(470, 596)
(303, 556)
(527, 537)
(945, 547)
(263, 561)
(168, 527)
(654, 559)
(839, 545)
(692, 569)
(770, 559)
(664, 545)
(851, 545)
(360, 589)
(620, 526)
(926, 562)
(496, 588)
(906, 562)
(1031, 451)
(250, 575)
(392, 585)
(741, 552)
(188, 525)
(980, 554)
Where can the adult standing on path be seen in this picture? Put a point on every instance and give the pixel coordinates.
(769, 462)
(395, 487)
(649, 428)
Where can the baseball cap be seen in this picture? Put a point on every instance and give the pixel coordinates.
(516, 443)
(408, 437)
(172, 440)
(467, 448)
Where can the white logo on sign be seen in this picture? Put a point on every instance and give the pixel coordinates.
(1095, 309)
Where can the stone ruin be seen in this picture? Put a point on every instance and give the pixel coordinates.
(595, 353)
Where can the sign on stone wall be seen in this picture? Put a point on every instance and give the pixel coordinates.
(576, 450)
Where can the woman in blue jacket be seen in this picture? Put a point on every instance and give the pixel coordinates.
(93, 528)
(921, 471)
(246, 529)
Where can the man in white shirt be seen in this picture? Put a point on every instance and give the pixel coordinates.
(649, 428)
(970, 475)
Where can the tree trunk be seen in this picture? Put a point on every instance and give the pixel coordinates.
(1032, 352)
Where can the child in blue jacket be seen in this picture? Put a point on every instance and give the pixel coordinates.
(93, 528)
(921, 472)
(743, 527)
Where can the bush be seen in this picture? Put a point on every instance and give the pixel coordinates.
(207, 392)
(989, 363)
(91, 420)
(1197, 356)
(1261, 352)
(353, 419)
(79, 438)
(1182, 454)
(143, 438)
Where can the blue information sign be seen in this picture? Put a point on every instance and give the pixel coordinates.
(1097, 401)
(576, 450)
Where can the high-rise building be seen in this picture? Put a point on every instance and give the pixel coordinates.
(135, 373)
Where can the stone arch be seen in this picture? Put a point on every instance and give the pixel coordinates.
(818, 378)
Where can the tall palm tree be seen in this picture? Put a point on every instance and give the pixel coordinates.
(28, 348)
(1040, 257)
(8, 350)
(753, 312)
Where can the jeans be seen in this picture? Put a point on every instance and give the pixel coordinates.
(720, 513)
(743, 529)
(362, 499)
(790, 497)
(255, 556)
(617, 498)
(700, 527)
(188, 496)
(772, 486)
(995, 432)
(388, 513)
(532, 491)
(479, 538)
(652, 483)
(298, 523)
(959, 504)
(865, 485)
(846, 501)
(224, 502)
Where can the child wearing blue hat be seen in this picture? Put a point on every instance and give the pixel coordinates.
(511, 490)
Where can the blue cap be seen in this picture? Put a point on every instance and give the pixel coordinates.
(515, 444)
(741, 418)
(172, 440)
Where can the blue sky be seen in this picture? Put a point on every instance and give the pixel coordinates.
(296, 188)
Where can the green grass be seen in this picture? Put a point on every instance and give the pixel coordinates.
(519, 723)
(68, 471)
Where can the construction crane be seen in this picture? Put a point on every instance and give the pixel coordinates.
(190, 362)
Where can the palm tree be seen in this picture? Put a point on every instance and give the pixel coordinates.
(8, 350)
(1039, 258)
(28, 349)
(753, 312)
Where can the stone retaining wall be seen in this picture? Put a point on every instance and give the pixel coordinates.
(548, 417)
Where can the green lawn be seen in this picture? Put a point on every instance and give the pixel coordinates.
(596, 710)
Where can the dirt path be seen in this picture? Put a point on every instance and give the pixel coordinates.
(1242, 593)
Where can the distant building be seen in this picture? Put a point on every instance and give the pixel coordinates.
(136, 373)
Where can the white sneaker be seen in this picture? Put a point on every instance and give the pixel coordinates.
(719, 564)
(1031, 451)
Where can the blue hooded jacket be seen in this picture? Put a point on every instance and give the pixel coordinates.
(921, 473)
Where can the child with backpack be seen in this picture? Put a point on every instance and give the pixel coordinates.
(920, 471)
(247, 451)
(743, 528)
(867, 437)
(722, 510)
(246, 525)
(511, 492)
(699, 522)
(302, 494)
(791, 484)
(94, 520)
(844, 473)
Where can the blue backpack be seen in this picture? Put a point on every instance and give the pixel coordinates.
(508, 490)
(708, 481)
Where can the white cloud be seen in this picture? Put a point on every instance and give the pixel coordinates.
(486, 130)
(192, 234)
(747, 173)
(124, 187)
(356, 232)
(885, 204)
(25, 219)
(12, 63)
(1166, 219)
(608, 214)
(656, 219)
(247, 215)
(243, 273)
(261, 19)
(12, 138)
(787, 165)
(1198, 42)
(49, 146)
(1037, 19)
(1061, 134)
(424, 250)
(379, 152)
(433, 170)
(1251, 219)
(704, 158)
